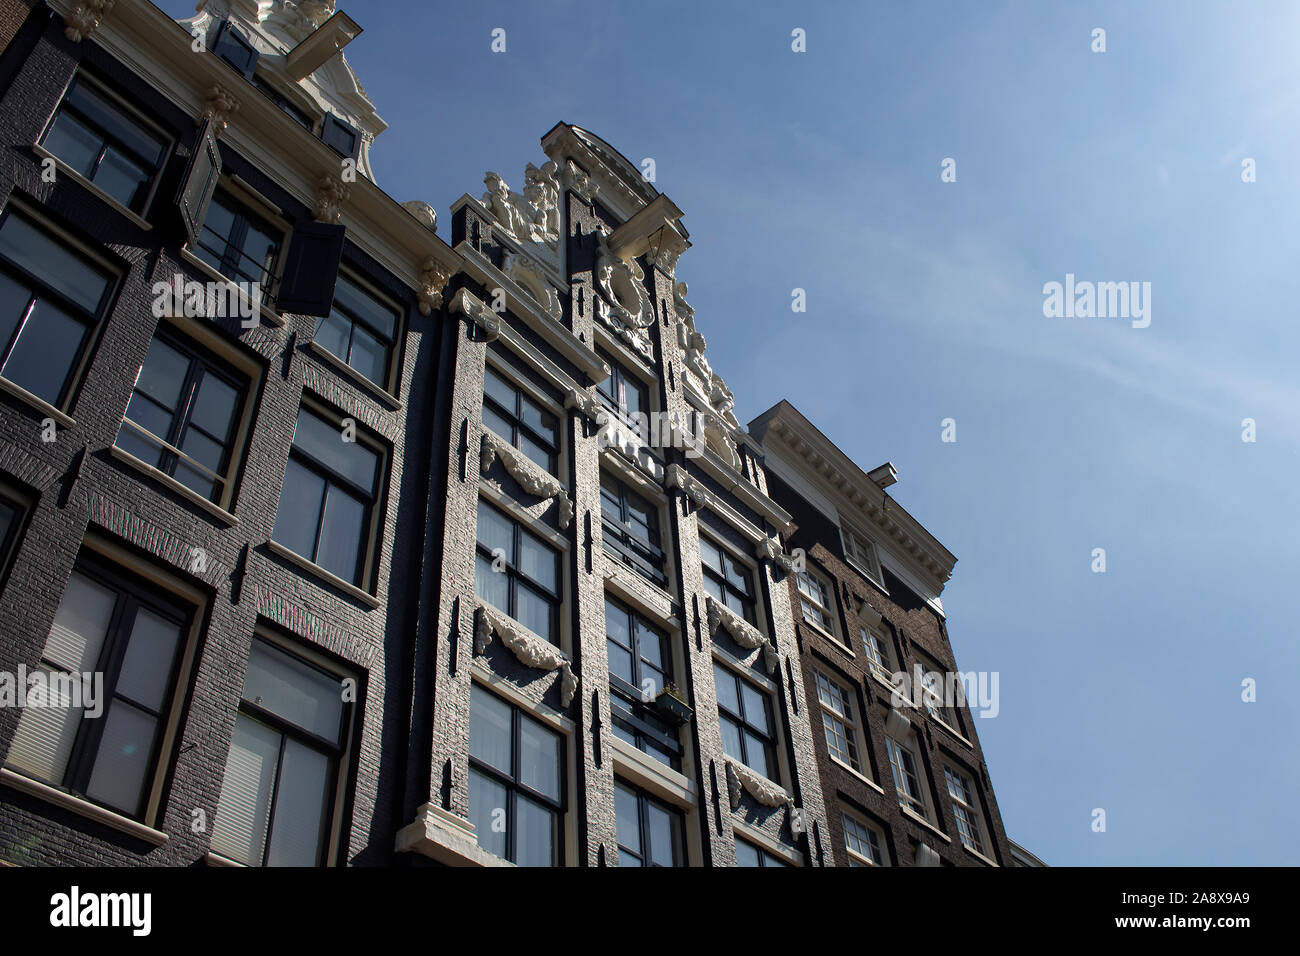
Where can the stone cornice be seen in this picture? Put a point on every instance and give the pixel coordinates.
(530, 649)
(525, 471)
(675, 476)
(622, 191)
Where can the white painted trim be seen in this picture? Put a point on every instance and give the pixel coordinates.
(498, 685)
(649, 774)
(752, 834)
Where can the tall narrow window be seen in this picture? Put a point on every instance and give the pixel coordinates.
(329, 498)
(112, 629)
(649, 831)
(50, 299)
(964, 808)
(640, 666)
(107, 145)
(816, 601)
(517, 573)
(516, 786)
(864, 842)
(745, 716)
(239, 244)
(12, 511)
(861, 552)
(361, 330)
(902, 763)
(623, 391)
(277, 800)
(727, 580)
(879, 659)
(630, 527)
(183, 415)
(837, 720)
(522, 422)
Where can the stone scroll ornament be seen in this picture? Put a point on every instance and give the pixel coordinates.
(741, 780)
(741, 631)
(531, 478)
(531, 650)
(770, 549)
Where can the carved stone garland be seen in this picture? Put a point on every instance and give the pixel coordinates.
(531, 651)
(433, 278)
(741, 631)
(85, 17)
(531, 478)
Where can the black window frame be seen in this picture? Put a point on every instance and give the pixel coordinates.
(643, 855)
(286, 105)
(338, 753)
(390, 341)
(646, 557)
(514, 575)
(767, 735)
(139, 203)
(40, 288)
(766, 858)
(748, 599)
(21, 509)
(229, 34)
(233, 253)
(612, 390)
(518, 426)
(513, 782)
(202, 363)
(629, 710)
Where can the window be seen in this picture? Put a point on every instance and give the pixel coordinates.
(236, 49)
(518, 573)
(965, 809)
(519, 420)
(907, 781)
(183, 416)
(239, 243)
(50, 299)
(279, 792)
(879, 659)
(749, 855)
(341, 137)
(631, 529)
(932, 693)
(861, 552)
(329, 497)
(640, 666)
(105, 144)
(361, 330)
(816, 601)
(745, 715)
(649, 831)
(864, 842)
(727, 580)
(516, 789)
(286, 105)
(104, 741)
(837, 721)
(12, 511)
(623, 391)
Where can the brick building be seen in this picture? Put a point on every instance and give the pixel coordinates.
(402, 553)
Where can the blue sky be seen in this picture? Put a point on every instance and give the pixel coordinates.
(821, 171)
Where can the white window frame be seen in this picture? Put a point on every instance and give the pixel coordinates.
(861, 552)
(825, 604)
(965, 809)
(881, 665)
(856, 857)
(852, 727)
(917, 804)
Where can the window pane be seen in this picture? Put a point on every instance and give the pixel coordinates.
(533, 611)
(538, 561)
(74, 143)
(487, 808)
(239, 830)
(342, 534)
(731, 744)
(495, 530)
(145, 145)
(489, 730)
(43, 741)
(35, 250)
(620, 664)
(492, 586)
(535, 838)
(710, 555)
(123, 758)
(537, 418)
(539, 758)
(650, 645)
(362, 305)
(299, 509)
(369, 356)
(333, 332)
(497, 423)
(756, 755)
(616, 624)
(203, 450)
(324, 441)
(214, 406)
(726, 685)
(120, 176)
(498, 389)
(294, 691)
(47, 346)
(629, 825)
(147, 668)
(300, 806)
(150, 416)
(746, 855)
(535, 452)
(14, 299)
(755, 703)
(663, 829)
(77, 635)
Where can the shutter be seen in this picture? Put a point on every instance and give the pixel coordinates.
(236, 50)
(311, 269)
(199, 182)
(341, 137)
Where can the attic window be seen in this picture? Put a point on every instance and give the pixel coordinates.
(341, 137)
(304, 119)
(236, 49)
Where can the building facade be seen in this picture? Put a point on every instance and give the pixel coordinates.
(329, 542)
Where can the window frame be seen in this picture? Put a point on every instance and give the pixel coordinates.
(854, 545)
(645, 799)
(826, 608)
(879, 654)
(767, 737)
(626, 701)
(20, 504)
(392, 347)
(515, 575)
(897, 750)
(615, 398)
(647, 558)
(879, 845)
(966, 809)
(748, 600)
(766, 858)
(518, 426)
(252, 210)
(850, 726)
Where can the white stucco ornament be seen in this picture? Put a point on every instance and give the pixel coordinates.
(528, 648)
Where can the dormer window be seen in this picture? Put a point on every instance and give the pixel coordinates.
(341, 137)
(299, 115)
(236, 49)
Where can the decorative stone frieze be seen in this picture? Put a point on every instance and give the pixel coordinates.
(579, 182)
(625, 307)
(533, 216)
(525, 471)
(84, 18)
(679, 477)
(528, 275)
(766, 792)
(741, 631)
(528, 648)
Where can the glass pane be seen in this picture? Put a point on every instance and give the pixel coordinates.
(77, 635)
(116, 122)
(535, 840)
(492, 586)
(361, 304)
(616, 624)
(489, 730)
(499, 390)
(299, 509)
(14, 299)
(746, 855)
(620, 663)
(150, 416)
(487, 811)
(495, 531)
(664, 835)
(197, 481)
(123, 758)
(294, 691)
(537, 418)
(324, 441)
(369, 356)
(755, 706)
(333, 332)
(533, 611)
(536, 453)
(497, 423)
(214, 406)
(239, 830)
(539, 758)
(710, 555)
(147, 668)
(260, 247)
(47, 346)
(120, 176)
(48, 259)
(756, 755)
(538, 561)
(43, 741)
(299, 807)
(74, 143)
(726, 685)
(342, 534)
(629, 825)
(650, 644)
(731, 744)
(203, 450)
